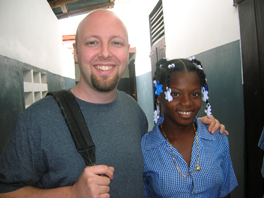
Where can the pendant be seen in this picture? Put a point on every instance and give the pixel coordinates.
(198, 168)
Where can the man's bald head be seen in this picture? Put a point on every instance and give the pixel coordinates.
(97, 15)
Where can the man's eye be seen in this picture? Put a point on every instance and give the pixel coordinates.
(117, 43)
(91, 43)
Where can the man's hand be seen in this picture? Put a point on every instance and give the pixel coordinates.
(214, 124)
(94, 182)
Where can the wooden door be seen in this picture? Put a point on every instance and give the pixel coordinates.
(251, 16)
(132, 77)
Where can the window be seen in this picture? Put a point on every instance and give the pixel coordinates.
(156, 21)
(35, 86)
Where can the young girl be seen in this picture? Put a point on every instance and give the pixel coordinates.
(182, 159)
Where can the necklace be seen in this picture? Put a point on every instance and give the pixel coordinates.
(197, 167)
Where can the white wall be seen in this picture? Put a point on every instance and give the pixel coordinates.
(192, 26)
(30, 33)
(135, 16)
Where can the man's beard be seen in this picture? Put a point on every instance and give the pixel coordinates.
(103, 84)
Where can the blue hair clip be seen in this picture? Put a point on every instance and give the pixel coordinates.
(158, 88)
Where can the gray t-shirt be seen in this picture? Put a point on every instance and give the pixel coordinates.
(42, 153)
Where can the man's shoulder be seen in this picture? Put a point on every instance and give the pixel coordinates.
(127, 99)
(44, 106)
(46, 102)
(124, 95)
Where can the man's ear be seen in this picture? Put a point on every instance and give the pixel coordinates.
(75, 52)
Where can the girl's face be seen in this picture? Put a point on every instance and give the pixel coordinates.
(186, 93)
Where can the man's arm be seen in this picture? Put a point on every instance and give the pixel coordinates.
(214, 124)
(29, 191)
(91, 183)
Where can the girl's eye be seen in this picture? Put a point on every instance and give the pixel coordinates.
(175, 94)
(196, 94)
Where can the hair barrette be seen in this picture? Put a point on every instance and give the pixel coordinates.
(158, 87)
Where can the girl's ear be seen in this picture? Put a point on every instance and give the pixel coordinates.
(160, 104)
(158, 99)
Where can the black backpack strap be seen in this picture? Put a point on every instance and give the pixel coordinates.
(76, 124)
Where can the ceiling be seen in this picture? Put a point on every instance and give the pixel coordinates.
(67, 8)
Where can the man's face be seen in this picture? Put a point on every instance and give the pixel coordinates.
(102, 50)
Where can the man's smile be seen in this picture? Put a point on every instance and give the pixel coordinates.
(104, 67)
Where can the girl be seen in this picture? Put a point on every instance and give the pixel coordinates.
(181, 158)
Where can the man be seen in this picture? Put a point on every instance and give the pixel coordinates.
(41, 159)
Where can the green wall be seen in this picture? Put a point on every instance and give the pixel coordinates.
(222, 66)
(145, 96)
(12, 93)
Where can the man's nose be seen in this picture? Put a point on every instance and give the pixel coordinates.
(105, 52)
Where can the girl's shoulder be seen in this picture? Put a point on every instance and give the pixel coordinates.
(152, 139)
(203, 132)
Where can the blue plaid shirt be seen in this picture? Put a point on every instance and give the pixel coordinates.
(161, 178)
